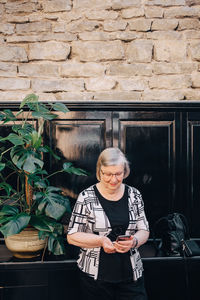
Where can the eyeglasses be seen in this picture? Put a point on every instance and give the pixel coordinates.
(108, 176)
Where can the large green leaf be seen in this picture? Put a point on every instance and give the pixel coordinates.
(69, 168)
(29, 99)
(48, 149)
(31, 163)
(8, 210)
(52, 203)
(2, 166)
(56, 245)
(40, 222)
(36, 139)
(60, 107)
(2, 116)
(26, 159)
(8, 116)
(44, 115)
(25, 130)
(7, 187)
(15, 225)
(14, 139)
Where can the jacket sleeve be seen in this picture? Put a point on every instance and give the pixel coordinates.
(79, 218)
(142, 223)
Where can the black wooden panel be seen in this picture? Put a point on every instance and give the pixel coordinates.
(64, 284)
(150, 148)
(25, 292)
(193, 178)
(165, 279)
(78, 137)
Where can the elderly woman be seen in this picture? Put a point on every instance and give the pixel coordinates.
(108, 223)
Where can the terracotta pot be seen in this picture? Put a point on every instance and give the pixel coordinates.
(25, 244)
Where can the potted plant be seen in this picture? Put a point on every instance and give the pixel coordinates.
(27, 199)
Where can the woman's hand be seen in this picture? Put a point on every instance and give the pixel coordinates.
(107, 245)
(125, 246)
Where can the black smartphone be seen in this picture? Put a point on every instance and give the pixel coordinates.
(123, 237)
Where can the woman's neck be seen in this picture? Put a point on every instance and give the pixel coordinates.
(110, 194)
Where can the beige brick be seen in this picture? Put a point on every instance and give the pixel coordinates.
(127, 36)
(7, 28)
(191, 34)
(102, 15)
(163, 95)
(192, 2)
(166, 24)
(189, 24)
(95, 4)
(114, 25)
(65, 37)
(14, 84)
(49, 50)
(174, 68)
(129, 69)
(57, 85)
(119, 4)
(1, 9)
(39, 70)
(117, 95)
(12, 95)
(140, 25)
(179, 12)
(13, 53)
(75, 69)
(139, 51)
(59, 27)
(195, 51)
(8, 69)
(74, 96)
(104, 36)
(165, 2)
(170, 82)
(95, 36)
(17, 19)
(82, 25)
(192, 94)
(100, 84)
(72, 15)
(98, 51)
(132, 84)
(132, 13)
(153, 12)
(57, 5)
(164, 35)
(196, 79)
(170, 51)
(21, 7)
(33, 27)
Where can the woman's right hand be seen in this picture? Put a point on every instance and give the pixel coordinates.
(107, 245)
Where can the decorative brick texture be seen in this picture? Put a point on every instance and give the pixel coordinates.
(141, 50)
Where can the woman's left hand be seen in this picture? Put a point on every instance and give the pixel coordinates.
(124, 246)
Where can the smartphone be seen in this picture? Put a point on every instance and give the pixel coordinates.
(123, 237)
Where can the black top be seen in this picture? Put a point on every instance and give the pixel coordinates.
(115, 267)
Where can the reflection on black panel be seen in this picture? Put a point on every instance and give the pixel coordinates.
(79, 143)
(195, 179)
(147, 149)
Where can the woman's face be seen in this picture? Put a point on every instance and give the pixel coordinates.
(112, 176)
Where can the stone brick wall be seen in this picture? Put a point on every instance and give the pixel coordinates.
(100, 49)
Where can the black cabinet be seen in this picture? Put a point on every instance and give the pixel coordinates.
(160, 139)
(162, 143)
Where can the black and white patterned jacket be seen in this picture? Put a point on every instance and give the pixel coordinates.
(89, 216)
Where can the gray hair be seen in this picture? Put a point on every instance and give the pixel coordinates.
(110, 157)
